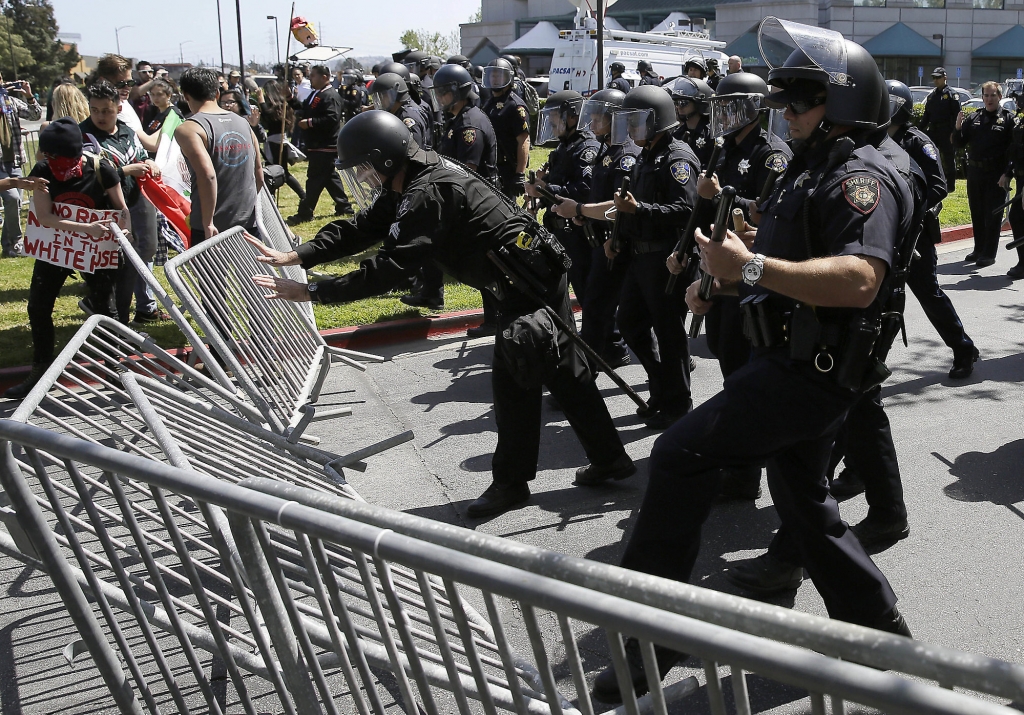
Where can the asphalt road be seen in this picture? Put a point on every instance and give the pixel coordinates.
(960, 447)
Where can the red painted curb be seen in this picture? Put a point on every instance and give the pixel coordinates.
(962, 233)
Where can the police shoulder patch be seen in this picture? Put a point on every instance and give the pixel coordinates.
(403, 207)
(409, 122)
(862, 193)
(607, 161)
(522, 111)
(469, 135)
(777, 163)
(929, 151)
(588, 155)
(680, 171)
(627, 162)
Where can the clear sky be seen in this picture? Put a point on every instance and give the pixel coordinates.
(371, 28)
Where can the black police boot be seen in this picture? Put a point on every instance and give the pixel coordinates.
(881, 529)
(343, 209)
(1016, 272)
(592, 474)
(419, 300)
(740, 483)
(665, 417)
(893, 622)
(984, 261)
(499, 498)
(296, 219)
(20, 390)
(971, 257)
(765, 575)
(482, 330)
(606, 685)
(847, 484)
(963, 363)
(617, 359)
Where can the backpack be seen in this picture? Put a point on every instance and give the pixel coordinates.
(529, 349)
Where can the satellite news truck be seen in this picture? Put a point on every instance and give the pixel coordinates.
(574, 63)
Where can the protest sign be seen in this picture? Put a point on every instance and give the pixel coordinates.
(71, 249)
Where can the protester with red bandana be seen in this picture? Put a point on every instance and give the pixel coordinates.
(65, 176)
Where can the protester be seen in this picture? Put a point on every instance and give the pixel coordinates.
(160, 109)
(224, 165)
(274, 108)
(118, 71)
(12, 156)
(68, 101)
(138, 96)
(65, 176)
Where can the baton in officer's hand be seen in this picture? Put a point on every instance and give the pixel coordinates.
(616, 244)
(707, 281)
(684, 247)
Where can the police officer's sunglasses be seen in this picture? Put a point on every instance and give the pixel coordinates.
(802, 106)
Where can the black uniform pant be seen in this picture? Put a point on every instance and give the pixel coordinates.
(581, 254)
(47, 282)
(723, 325)
(274, 149)
(320, 175)
(983, 196)
(517, 410)
(776, 410)
(643, 306)
(604, 285)
(947, 154)
(924, 284)
(1017, 219)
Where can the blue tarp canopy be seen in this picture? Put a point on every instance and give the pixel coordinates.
(1008, 45)
(901, 41)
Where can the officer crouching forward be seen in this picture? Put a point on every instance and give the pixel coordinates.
(827, 238)
(431, 209)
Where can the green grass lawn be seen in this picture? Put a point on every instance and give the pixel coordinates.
(16, 273)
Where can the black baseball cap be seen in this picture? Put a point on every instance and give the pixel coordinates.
(61, 138)
(939, 72)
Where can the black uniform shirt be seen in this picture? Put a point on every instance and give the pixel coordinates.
(510, 121)
(650, 78)
(571, 165)
(354, 99)
(940, 109)
(664, 184)
(620, 83)
(1016, 167)
(614, 161)
(860, 207)
(987, 136)
(323, 109)
(469, 138)
(747, 165)
(699, 139)
(921, 150)
(413, 118)
(445, 215)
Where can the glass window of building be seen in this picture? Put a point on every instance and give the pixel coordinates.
(869, 3)
(988, 4)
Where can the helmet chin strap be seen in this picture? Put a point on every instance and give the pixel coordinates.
(817, 136)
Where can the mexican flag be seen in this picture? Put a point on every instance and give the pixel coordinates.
(174, 171)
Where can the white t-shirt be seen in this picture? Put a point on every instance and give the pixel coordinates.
(129, 117)
(303, 90)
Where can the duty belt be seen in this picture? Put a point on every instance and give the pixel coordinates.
(642, 247)
(986, 164)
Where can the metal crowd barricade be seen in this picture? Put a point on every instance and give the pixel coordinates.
(278, 357)
(275, 233)
(199, 352)
(320, 598)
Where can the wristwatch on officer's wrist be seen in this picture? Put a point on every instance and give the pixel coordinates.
(579, 210)
(311, 290)
(753, 269)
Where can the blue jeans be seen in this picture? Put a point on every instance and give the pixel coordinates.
(12, 209)
(144, 230)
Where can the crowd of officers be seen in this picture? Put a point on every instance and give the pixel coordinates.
(801, 297)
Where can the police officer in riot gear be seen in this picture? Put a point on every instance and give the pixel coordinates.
(694, 111)
(511, 123)
(616, 69)
(354, 97)
(987, 134)
(695, 67)
(391, 94)
(570, 168)
(714, 75)
(607, 268)
(662, 194)
(647, 74)
(431, 209)
(1016, 171)
(940, 109)
(827, 238)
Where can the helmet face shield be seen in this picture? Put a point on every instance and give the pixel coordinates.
(596, 117)
(777, 124)
(363, 183)
(497, 77)
(895, 103)
(732, 112)
(825, 50)
(444, 96)
(384, 99)
(635, 124)
(347, 80)
(550, 125)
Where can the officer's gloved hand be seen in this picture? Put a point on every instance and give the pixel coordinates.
(517, 186)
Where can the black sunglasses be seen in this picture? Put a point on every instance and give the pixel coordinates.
(125, 83)
(802, 106)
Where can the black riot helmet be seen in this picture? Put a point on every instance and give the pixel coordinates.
(738, 102)
(511, 59)
(690, 91)
(559, 116)
(394, 68)
(646, 111)
(374, 143)
(616, 67)
(801, 57)
(351, 77)
(698, 62)
(452, 84)
(388, 89)
(376, 69)
(498, 74)
(901, 101)
(460, 60)
(596, 114)
(643, 66)
(417, 61)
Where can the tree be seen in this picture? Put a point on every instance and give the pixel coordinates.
(477, 16)
(22, 56)
(433, 43)
(34, 21)
(351, 63)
